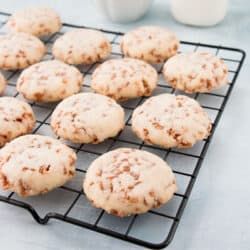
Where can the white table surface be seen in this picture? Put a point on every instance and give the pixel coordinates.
(217, 215)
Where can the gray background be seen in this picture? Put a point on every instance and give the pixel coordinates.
(217, 215)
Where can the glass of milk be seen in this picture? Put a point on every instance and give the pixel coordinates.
(199, 12)
(123, 11)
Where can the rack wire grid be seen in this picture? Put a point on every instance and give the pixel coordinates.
(156, 228)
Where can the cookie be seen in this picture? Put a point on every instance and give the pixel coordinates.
(19, 50)
(150, 43)
(171, 121)
(37, 21)
(81, 46)
(87, 118)
(49, 81)
(35, 164)
(2, 83)
(195, 72)
(129, 181)
(16, 118)
(123, 79)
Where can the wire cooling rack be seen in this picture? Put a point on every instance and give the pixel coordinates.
(156, 228)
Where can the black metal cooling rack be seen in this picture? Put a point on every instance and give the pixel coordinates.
(156, 228)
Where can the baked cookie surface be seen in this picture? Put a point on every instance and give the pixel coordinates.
(87, 118)
(35, 164)
(49, 81)
(16, 118)
(37, 21)
(2, 83)
(195, 72)
(171, 121)
(19, 50)
(129, 181)
(152, 44)
(81, 46)
(122, 79)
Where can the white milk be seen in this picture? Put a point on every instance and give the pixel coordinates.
(199, 12)
(123, 10)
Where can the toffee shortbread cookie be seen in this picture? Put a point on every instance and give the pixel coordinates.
(16, 118)
(150, 43)
(19, 50)
(81, 46)
(171, 121)
(35, 164)
(129, 181)
(49, 81)
(195, 72)
(87, 118)
(123, 79)
(37, 21)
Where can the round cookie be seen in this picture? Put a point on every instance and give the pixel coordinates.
(87, 118)
(19, 50)
(2, 83)
(37, 21)
(81, 46)
(129, 181)
(195, 72)
(150, 43)
(16, 118)
(49, 81)
(123, 79)
(171, 121)
(35, 164)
